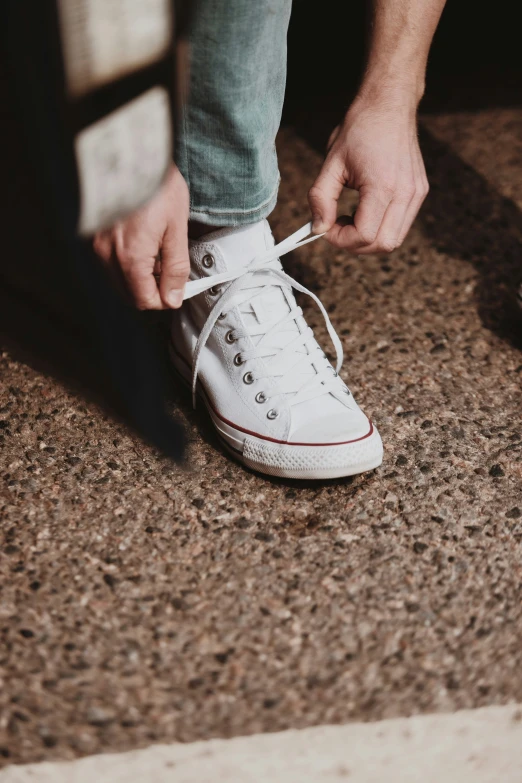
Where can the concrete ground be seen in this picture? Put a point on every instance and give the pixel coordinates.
(142, 602)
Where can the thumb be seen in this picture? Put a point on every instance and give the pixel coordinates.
(175, 265)
(323, 197)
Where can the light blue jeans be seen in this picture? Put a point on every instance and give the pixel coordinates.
(226, 139)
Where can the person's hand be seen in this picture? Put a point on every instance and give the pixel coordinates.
(376, 152)
(134, 245)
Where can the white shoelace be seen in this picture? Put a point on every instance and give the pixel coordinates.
(261, 272)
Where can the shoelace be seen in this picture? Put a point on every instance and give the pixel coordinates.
(242, 278)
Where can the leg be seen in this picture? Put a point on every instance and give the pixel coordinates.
(275, 400)
(225, 145)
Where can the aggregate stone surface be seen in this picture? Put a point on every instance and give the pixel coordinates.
(142, 601)
(491, 141)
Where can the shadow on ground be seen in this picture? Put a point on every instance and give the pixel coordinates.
(199, 418)
(142, 602)
(464, 217)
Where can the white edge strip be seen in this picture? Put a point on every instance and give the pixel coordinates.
(470, 746)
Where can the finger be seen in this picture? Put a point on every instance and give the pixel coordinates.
(422, 190)
(333, 137)
(142, 286)
(324, 195)
(389, 232)
(411, 214)
(135, 261)
(175, 264)
(102, 245)
(366, 222)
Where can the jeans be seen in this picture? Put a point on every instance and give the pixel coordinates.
(226, 140)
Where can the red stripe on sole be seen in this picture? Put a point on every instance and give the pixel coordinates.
(267, 437)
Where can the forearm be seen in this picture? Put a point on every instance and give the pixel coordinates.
(376, 149)
(401, 33)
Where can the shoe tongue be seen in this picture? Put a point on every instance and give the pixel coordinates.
(240, 245)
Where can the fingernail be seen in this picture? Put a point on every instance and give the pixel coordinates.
(175, 298)
(317, 224)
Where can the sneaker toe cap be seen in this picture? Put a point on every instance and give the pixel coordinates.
(334, 428)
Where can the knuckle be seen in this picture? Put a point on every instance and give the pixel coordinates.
(146, 303)
(338, 242)
(132, 268)
(127, 260)
(177, 269)
(102, 253)
(133, 255)
(387, 245)
(367, 235)
(387, 188)
(125, 254)
(101, 248)
(315, 193)
(406, 193)
(128, 250)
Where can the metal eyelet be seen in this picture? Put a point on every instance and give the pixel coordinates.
(238, 361)
(229, 337)
(207, 261)
(346, 390)
(261, 397)
(272, 414)
(248, 378)
(214, 291)
(222, 316)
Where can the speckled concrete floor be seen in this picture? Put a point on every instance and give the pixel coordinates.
(144, 602)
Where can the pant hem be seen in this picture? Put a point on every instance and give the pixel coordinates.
(223, 217)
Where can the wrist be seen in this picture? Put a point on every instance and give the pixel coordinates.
(386, 91)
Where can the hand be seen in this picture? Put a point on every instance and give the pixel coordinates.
(376, 152)
(133, 245)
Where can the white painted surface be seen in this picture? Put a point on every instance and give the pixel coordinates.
(106, 39)
(122, 159)
(477, 746)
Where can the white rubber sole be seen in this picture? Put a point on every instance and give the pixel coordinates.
(286, 460)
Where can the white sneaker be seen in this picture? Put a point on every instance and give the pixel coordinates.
(275, 400)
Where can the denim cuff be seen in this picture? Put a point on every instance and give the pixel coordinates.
(223, 217)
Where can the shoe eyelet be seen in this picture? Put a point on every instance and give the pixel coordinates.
(260, 397)
(272, 414)
(346, 390)
(207, 261)
(229, 337)
(248, 378)
(214, 291)
(238, 361)
(222, 316)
